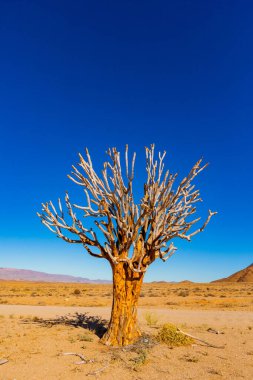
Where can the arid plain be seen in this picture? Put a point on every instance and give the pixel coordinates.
(41, 322)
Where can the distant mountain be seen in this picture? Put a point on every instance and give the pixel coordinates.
(162, 282)
(244, 275)
(30, 275)
(186, 282)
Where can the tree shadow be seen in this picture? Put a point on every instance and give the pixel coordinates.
(85, 321)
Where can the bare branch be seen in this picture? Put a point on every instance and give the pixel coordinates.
(162, 215)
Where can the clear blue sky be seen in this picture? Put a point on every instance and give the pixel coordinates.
(107, 73)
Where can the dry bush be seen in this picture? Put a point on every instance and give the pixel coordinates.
(170, 335)
(140, 359)
(184, 293)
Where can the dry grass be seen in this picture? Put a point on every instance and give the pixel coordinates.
(222, 296)
(151, 319)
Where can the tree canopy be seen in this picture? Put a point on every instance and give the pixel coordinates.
(134, 233)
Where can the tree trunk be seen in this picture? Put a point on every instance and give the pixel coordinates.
(122, 329)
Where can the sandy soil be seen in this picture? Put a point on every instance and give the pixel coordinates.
(35, 349)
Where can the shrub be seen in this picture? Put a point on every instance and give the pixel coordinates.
(77, 292)
(183, 293)
(85, 338)
(140, 359)
(151, 319)
(170, 335)
(193, 359)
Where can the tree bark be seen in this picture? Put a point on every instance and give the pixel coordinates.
(122, 329)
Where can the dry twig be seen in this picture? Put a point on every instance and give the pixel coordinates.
(99, 370)
(200, 340)
(214, 331)
(84, 360)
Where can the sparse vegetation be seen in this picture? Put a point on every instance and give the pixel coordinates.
(140, 359)
(163, 295)
(28, 341)
(85, 338)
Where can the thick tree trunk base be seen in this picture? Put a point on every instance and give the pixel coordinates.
(122, 329)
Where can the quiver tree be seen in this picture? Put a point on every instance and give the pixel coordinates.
(130, 235)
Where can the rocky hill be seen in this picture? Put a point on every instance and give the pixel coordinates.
(244, 275)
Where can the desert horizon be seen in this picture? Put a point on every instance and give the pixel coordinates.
(18, 274)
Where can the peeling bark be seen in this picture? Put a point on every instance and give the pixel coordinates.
(122, 329)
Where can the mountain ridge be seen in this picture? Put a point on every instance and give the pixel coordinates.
(13, 274)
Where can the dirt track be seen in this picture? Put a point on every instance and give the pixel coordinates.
(192, 317)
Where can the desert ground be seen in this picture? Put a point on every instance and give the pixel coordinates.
(41, 322)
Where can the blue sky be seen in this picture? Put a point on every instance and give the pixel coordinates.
(100, 74)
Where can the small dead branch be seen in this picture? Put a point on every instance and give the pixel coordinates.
(214, 331)
(200, 340)
(3, 361)
(99, 370)
(84, 360)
